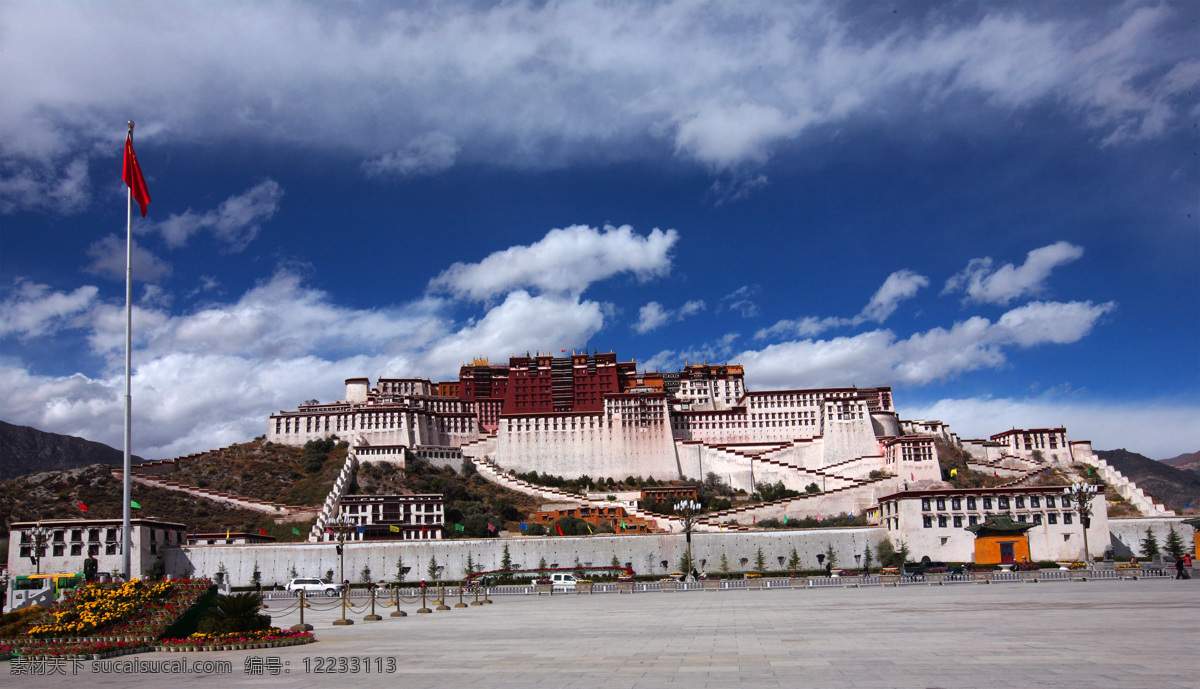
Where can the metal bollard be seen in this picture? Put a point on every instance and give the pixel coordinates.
(423, 610)
(372, 617)
(397, 612)
(302, 627)
(441, 598)
(460, 603)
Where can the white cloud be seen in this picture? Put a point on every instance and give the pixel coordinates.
(235, 221)
(424, 155)
(725, 84)
(877, 357)
(1155, 428)
(653, 316)
(564, 261)
(984, 284)
(740, 300)
(899, 286)
(108, 261)
(33, 310)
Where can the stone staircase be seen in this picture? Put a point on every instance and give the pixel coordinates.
(334, 499)
(712, 521)
(1128, 489)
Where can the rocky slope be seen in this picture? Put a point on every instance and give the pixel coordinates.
(25, 450)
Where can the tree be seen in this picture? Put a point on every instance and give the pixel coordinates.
(470, 568)
(724, 563)
(399, 568)
(867, 559)
(812, 488)
(292, 573)
(685, 564)
(506, 559)
(1175, 544)
(432, 570)
(256, 575)
(793, 562)
(830, 555)
(902, 554)
(760, 562)
(615, 562)
(542, 563)
(365, 575)
(1150, 544)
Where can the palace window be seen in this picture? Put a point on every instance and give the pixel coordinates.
(1052, 517)
(1003, 503)
(970, 503)
(1066, 501)
(958, 522)
(1037, 518)
(987, 503)
(1068, 518)
(1020, 517)
(972, 520)
(928, 521)
(1035, 501)
(941, 503)
(1020, 501)
(76, 549)
(956, 504)
(942, 521)
(924, 504)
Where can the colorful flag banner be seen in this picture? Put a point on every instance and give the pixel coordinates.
(328, 530)
(133, 175)
(623, 527)
(360, 529)
(134, 505)
(262, 532)
(954, 472)
(394, 529)
(995, 473)
(227, 534)
(589, 526)
(785, 519)
(459, 527)
(818, 517)
(295, 531)
(559, 527)
(524, 526)
(83, 507)
(491, 527)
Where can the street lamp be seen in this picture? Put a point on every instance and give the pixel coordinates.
(689, 512)
(1081, 495)
(342, 525)
(40, 536)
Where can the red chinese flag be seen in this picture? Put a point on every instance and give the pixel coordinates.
(559, 527)
(263, 531)
(83, 507)
(133, 177)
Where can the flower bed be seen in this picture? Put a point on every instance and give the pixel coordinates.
(1077, 565)
(273, 637)
(100, 619)
(6, 652)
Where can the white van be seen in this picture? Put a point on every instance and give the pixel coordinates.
(563, 582)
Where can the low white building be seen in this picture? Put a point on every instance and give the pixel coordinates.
(68, 542)
(934, 522)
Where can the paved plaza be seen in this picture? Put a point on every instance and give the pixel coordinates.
(1094, 634)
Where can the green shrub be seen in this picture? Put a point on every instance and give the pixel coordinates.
(237, 612)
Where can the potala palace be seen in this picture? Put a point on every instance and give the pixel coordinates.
(590, 414)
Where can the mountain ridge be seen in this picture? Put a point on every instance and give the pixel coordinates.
(27, 450)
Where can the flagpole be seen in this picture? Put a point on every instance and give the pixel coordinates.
(126, 541)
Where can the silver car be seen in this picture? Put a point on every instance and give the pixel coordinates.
(312, 585)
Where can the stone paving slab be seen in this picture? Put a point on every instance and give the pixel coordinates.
(1098, 634)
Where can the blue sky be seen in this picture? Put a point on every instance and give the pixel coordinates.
(992, 208)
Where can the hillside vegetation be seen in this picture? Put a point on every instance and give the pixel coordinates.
(57, 494)
(264, 471)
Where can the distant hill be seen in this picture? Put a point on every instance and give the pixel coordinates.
(1188, 462)
(25, 450)
(1173, 486)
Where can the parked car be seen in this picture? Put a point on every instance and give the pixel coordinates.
(563, 582)
(920, 569)
(313, 585)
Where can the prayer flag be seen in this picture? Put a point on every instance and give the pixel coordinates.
(134, 505)
(459, 527)
(227, 534)
(1089, 471)
(262, 532)
(995, 473)
(328, 530)
(818, 517)
(623, 525)
(295, 531)
(83, 507)
(491, 527)
(394, 529)
(524, 526)
(559, 527)
(912, 476)
(359, 529)
(589, 526)
(954, 472)
(785, 519)
(133, 175)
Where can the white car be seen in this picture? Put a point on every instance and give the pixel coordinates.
(563, 582)
(313, 586)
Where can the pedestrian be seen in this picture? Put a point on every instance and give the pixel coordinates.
(829, 569)
(1179, 568)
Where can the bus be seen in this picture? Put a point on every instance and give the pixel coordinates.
(40, 589)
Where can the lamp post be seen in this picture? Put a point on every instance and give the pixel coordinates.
(40, 536)
(342, 525)
(689, 512)
(1081, 495)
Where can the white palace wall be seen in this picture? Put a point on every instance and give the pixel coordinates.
(645, 553)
